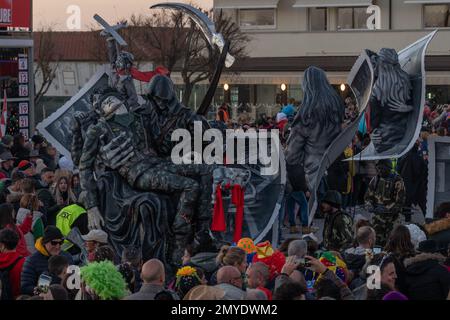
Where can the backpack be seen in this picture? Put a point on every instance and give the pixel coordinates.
(6, 288)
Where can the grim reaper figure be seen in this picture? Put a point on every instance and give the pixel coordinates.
(116, 130)
(391, 100)
(315, 126)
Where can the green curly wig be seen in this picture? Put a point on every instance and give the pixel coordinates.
(104, 279)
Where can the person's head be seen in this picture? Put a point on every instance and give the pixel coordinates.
(8, 240)
(19, 140)
(127, 273)
(94, 239)
(331, 202)
(232, 256)
(75, 180)
(7, 214)
(133, 256)
(399, 241)
(313, 243)
(387, 270)
(298, 248)
(16, 178)
(290, 291)
(366, 236)
(52, 240)
(28, 186)
(29, 201)
(230, 275)
(153, 272)
(63, 184)
(27, 167)
(104, 253)
(55, 292)
(443, 210)
(7, 160)
(38, 141)
(321, 103)
(186, 278)
(254, 294)
(257, 275)
(47, 176)
(384, 168)
(57, 265)
(325, 288)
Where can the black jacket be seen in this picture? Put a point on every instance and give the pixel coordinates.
(34, 266)
(426, 277)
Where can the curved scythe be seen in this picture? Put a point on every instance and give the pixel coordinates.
(214, 39)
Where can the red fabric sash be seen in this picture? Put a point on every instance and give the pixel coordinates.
(237, 198)
(145, 76)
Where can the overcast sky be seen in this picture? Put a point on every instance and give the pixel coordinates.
(53, 12)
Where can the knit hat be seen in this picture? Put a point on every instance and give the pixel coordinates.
(417, 235)
(104, 279)
(428, 246)
(24, 165)
(52, 233)
(65, 164)
(394, 295)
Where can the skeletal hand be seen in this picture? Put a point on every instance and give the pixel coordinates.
(117, 152)
(95, 219)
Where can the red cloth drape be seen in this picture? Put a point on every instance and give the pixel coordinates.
(145, 76)
(237, 198)
(218, 221)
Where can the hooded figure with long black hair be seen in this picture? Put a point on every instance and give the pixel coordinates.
(315, 127)
(390, 102)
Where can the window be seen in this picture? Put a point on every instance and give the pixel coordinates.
(436, 16)
(257, 18)
(318, 19)
(352, 18)
(69, 78)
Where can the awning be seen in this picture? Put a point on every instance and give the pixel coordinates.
(245, 4)
(331, 3)
(426, 1)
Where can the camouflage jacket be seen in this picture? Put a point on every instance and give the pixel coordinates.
(386, 195)
(337, 231)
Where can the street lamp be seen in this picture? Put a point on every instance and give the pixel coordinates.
(283, 87)
(343, 87)
(226, 87)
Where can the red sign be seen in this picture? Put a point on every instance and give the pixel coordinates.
(6, 12)
(15, 13)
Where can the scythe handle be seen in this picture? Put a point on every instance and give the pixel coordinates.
(206, 103)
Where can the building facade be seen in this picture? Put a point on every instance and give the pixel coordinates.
(289, 35)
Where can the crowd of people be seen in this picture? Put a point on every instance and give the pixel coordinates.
(41, 202)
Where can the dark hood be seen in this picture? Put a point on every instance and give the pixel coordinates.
(423, 262)
(205, 260)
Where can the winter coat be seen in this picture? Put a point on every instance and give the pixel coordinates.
(37, 227)
(355, 258)
(35, 265)
(439, 231)
(6, 260)
(22, 229)
(426, 277)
